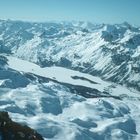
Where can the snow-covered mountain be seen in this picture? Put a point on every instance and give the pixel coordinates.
(65, 104)
(63, 79)
(109, 51)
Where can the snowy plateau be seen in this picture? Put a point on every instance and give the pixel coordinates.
(72, 80)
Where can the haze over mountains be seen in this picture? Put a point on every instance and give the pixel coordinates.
(72, 80)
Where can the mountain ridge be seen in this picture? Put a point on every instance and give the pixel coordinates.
(109, 51)
(56, 78)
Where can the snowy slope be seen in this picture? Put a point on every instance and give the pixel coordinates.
(57, 114)
(58, 73)
(42, 83)
(109, 51)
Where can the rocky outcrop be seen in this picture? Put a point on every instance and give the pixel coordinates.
(11, 130)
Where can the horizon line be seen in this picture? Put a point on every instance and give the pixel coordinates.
(70, 21)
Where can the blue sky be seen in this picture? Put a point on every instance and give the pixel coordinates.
(98, 11)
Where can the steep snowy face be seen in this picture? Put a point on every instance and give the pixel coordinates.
(109, 51)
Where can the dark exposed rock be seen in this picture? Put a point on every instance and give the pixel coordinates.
(83, 78)
(3, 61)
(11, 130)
(64, 62)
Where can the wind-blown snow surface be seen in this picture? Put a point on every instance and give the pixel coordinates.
(57, 114)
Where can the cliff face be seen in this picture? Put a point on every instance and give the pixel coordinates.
(11, 130)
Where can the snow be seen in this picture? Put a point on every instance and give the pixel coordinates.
(128, 72)
(137, 53)
(89, 47)
(126, 37)
(71, 117)
(12, 79)
(50, 107)
(58, 73)
(1, 81)
(58, 114)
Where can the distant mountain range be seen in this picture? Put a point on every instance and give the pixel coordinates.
(109, 51)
